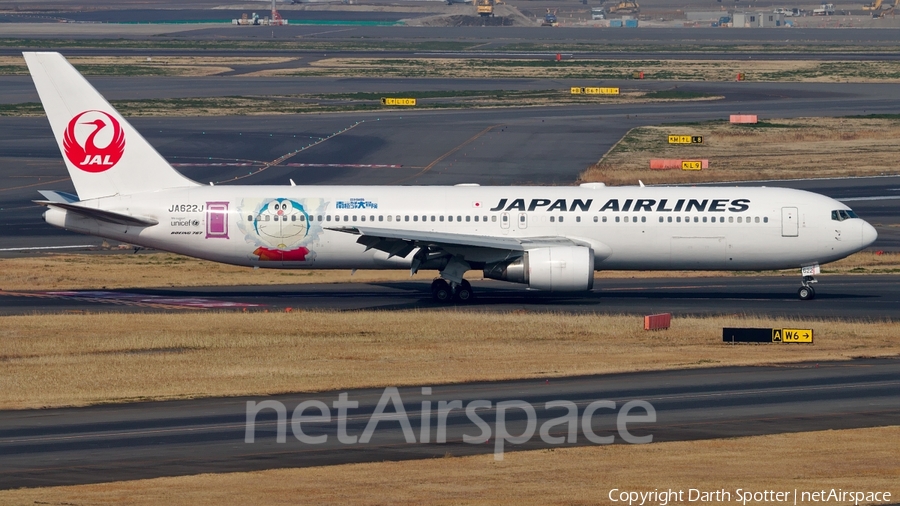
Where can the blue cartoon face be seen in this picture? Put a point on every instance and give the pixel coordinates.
(282, 221)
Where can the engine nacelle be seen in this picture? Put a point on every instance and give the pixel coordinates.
(555, 269)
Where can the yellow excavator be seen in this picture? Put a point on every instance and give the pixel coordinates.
(485, 8)
(877, 12)
(630, 7)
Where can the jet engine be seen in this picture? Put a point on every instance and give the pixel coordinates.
(555, 269)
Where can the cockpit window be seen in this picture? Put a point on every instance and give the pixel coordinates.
(841, 215)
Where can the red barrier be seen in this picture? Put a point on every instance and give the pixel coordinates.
(657, 321)
(744, 118)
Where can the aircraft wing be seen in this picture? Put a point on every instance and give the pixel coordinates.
(401, 242)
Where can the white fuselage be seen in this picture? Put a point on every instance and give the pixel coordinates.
(735, 228)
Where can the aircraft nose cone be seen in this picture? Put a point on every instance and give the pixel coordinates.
(869, 234)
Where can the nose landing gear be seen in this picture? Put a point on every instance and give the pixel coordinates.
(806, 291)
(445, 292)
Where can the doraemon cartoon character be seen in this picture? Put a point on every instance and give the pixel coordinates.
(281, 230)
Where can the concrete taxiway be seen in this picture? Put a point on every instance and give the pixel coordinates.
(145, 440)
(860, 297)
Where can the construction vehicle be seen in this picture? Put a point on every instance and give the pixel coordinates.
(484, 8)
(550, 18)
(625, 7)
(824, 10)
(877, 11)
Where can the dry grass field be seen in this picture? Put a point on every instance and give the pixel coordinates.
(193, 66)
(773, 149)
(80, 359)
(688, 70)
(158, 270)
(851, 460)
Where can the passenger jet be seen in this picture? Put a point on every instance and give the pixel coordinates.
(548, 238)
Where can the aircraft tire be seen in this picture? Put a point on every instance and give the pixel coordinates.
(806, 293)
(464, 292)
(441, 291)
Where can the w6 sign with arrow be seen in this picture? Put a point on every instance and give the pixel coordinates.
(792, 335)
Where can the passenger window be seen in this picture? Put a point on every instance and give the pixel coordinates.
(643, 219)
(389, 217)
(731, 219)
(696, 219)
(561, 219)
(626, 219)
(476, 218)
(756, 220)
(459, 218)
(739, 219)
(354, 217)
(661, 219)
(432, 218)
(578, 219)
(416, 218)
(765, 219)
(678, 219)
(552, 219)
(604, 219)
(398, 217)
(468, 219)
(704, 219)
(617, 219)
(634, 219)
(596, 219)
(362, 218)
(669, 219)
(249, 217)
(494, 219)
(442, 217)
(721, 219)
(328, 218)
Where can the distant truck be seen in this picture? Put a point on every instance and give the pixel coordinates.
(550, 19)
(598, 13)
(824, 10)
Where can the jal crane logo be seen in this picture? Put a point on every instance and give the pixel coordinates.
(94, 141)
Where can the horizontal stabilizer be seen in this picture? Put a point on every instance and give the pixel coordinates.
(100, 214)
(55, 196)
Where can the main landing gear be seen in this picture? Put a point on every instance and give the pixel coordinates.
(445, 291)
(806, 291)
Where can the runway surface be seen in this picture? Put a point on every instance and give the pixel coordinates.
(145, 440)
(855, 297)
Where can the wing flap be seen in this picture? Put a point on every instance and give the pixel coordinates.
(386, 240)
